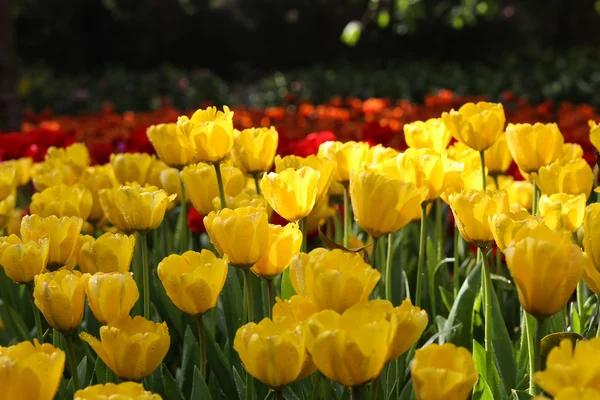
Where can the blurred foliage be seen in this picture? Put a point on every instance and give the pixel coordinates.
(570, 76)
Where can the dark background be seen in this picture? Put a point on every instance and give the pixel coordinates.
(242, 42)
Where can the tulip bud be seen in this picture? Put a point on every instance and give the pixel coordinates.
(23, 261)
(60, 296)
(477, 125)
(534, 146)
(171, 144)
(210, 132)
(254, 149)
(431, 134)
(324, 166)
(284, 243)
(291, 193)
(110, 295)
(63, 201)
(348, 156)
(122, 391)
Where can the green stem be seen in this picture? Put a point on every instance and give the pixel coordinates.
(316, 386)
(531, 350)
(388, 269)
(539, 334)
(72, 361)
(354, 393)
(483, 174)
(256, 183)
(220, 184)
(487, 297)
(498, 252)
(145, 275)
(439, 228)
(278, 395)
(374, 386)
(36, 315)
(421, 264)
(373, 255)
(270, 395)
(249, 298)
(346, 216)
(270, 296)
(202, 343)
(183, 219)
(580, 303)
(55, 338)
(302, 224)
(456, 278)
(536, 198)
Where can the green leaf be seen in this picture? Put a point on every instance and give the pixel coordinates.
(232, 298)
(447, 297)
(520, 395)
(199, 389)
(221, 368)
(461, 314)
(81, 372)
(487, 373)
(171, 390)
(289, 394)
(482, 391)
(553, 340)
(287, 290)
(240, 385)
(351, 33)
(407, 391)
(190, 360)
(383, 19)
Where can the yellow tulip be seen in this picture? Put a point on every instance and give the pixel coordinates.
(594, 134)
(95, 179)
(324, 166)
(498, 157)
(566, 367)
(407, 324)
(110, 295)
(63, 201)
(7, 209)
(244, 199)
(210, 132)
(519, 192)
(170, 182)
(336, 189)
(31, 371)
(254, 149)
(62, 233)
(12, 220)
(591, 230)
(513, 226)
(477, 125)
(351, 348)
(131, 167)
(463, 154)
(241, 234)
(274, 351)
(443, 372)
(334, 279)
(291, 193)
(319, 215)
(122, 391)
(60, 296)
(545, 267)
(55, 172)
(347, 156)
(534, 146)
(22, 261)
(23, 168)
(131, 348)
(111, 252)
(193, 281)
(284, 243)
(201, 184)
(299, 308)
(8, 180)
(562, 210)
(171, 144)
(472, 209)
(569, 152)
(76, 156)
(572, 393)
(156, 168)
(379, 153)
(383, 205)
(574, 177)
(139, 209)
(431, 134)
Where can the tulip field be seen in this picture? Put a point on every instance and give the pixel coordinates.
(356, 249)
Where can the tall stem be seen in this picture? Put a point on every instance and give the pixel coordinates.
(278, 395)
(354, 393)
(249, 298)
(483, 174)
(536, 198)
(374, 387)
(72, 361)
(36, 315)
(256, 183)
(373, 255)
(388, 269)
(539, 333)
(145, 275)
(271, 296)
(580, 305)
(531, 350)
(346, 216)
(456, 278)
(487, 297)
(421, 263)
(302, 224)
(439, 227)
(220, 184)
(202, 343)
(316, 385)
(183, 235)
